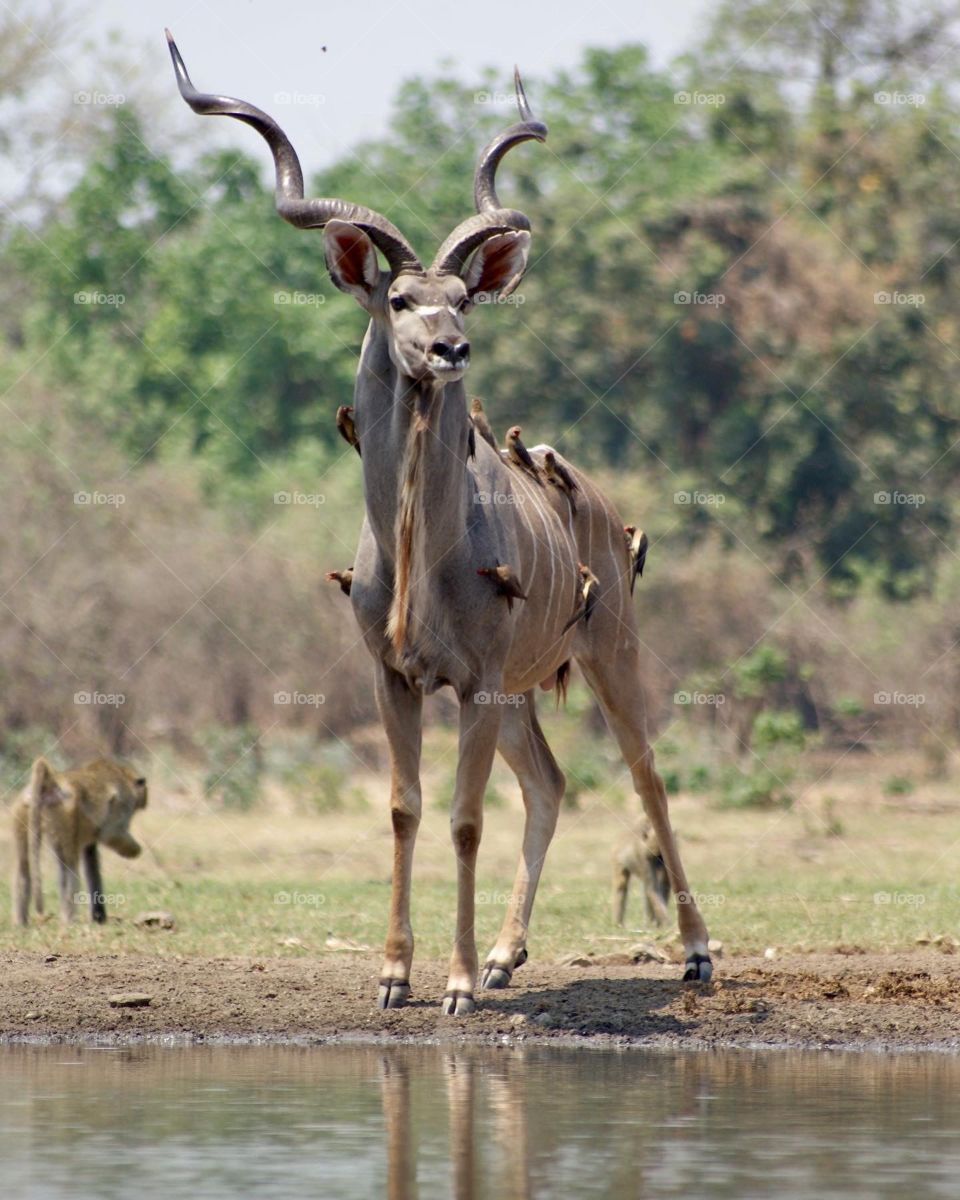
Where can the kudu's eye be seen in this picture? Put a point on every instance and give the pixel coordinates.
(398, 303)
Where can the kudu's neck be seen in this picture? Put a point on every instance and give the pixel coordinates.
(413, 437)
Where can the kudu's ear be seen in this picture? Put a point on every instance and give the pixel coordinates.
(351, 260)
(498, 265)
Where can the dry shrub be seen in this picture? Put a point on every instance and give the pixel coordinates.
(196, 614)
(198, 610)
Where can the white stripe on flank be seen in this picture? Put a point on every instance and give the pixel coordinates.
(533, 571)
(553, 568)
(545, 513)
(613, 560)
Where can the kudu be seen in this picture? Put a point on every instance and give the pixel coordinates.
(434, 517)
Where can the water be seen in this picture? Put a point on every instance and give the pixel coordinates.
(474, 1122)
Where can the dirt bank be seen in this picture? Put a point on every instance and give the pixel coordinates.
(895, 1001)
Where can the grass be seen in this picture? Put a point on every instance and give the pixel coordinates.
(848, 865)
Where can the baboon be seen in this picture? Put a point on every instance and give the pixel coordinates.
(641, 856)
(73, 811)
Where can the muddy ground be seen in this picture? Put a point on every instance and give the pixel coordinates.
(898, 1001)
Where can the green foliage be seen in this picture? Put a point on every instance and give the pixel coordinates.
(791, 203)
(234, 767)
(758, 787)
(755, 673)
(18, 750)
(898, 785)
(314, 774)
(777, 731)
(323, 786)
(832, 825)
(588, 768)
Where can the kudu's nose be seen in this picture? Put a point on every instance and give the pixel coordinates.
(452, 353)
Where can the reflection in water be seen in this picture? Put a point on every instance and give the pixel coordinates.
(474, 1123)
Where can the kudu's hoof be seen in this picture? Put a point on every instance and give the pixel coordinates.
(458, 1004)
(699, 969)
(393, 993)
(495, 977)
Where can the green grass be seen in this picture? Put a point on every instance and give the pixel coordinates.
(845, 866)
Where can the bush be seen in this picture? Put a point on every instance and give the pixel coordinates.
(234, 767)
(315, 774)
(757, 672)
(19, 749)
(586, 771)
(898, 785)
(777, 731)
(323, 787)
(759, 788)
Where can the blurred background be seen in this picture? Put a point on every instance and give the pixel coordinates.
(741, 315)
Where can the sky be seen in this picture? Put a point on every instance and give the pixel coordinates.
(272, 54)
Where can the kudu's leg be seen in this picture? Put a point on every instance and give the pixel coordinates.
(507, 1089)
(525, 750)
(461, 1074)
(479, 728)
(397, 1116)
(400, 711)
(615, 681)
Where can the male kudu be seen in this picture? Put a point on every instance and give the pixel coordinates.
(435, 515)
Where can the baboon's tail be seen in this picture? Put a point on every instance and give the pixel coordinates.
(41, 777)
